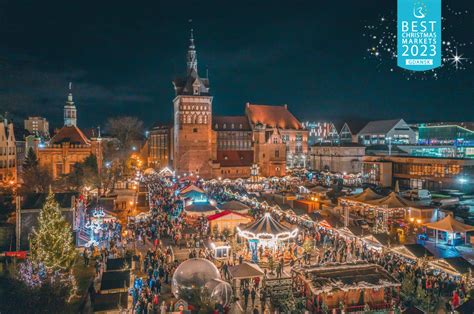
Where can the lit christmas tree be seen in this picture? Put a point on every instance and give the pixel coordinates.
(51, 243)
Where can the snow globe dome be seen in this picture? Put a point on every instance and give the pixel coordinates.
(190, 279)
(222, 294)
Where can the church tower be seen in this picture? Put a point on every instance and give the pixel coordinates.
(194, 140)
(70, 111)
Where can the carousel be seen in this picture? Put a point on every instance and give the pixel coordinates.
(266, 235)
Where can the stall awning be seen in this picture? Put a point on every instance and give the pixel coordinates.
(367, 195)
(457, 266)
(412, 251)
(393, 200)
(245, 270)
(449, 224)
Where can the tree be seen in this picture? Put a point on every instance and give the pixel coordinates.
(31, 160)
(408, 286)
(85, 173)
(36, 178)
(271, 264)
(51, 244)
(127, 130)
(422, 298)
(7, 206)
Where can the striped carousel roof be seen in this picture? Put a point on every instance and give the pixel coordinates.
(267, 225)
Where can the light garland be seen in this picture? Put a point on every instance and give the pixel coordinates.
(282, 236)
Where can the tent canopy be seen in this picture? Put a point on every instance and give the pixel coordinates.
(245, 270)
(393, 200)
(366, 196)
(449, 224)
(233, 206)
(190, 188)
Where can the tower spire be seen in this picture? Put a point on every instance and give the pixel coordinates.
(192, 56)
(70, 111)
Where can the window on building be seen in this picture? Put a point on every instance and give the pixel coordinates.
(195, 130)
(277, 153)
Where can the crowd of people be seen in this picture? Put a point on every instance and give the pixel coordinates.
(330, 247)
(165, 223)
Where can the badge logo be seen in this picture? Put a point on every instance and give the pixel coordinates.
(419, 34)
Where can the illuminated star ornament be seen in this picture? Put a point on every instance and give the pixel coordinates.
(457, 60)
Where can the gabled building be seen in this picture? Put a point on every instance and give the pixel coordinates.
(386, 132)
(69, 145)
(346, 135)
(228, 146)
(277, 122)
(8, 164)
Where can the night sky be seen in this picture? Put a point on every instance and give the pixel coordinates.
(122, 56)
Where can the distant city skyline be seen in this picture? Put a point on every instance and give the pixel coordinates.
(122, 60)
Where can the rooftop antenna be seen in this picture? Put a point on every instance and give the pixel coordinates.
(207, 72)
(70, 85)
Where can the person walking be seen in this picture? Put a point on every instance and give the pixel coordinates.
(253, 294)
(246, 293)
(86, 257)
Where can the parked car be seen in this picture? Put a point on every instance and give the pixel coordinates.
(417, 194)
(441, 202)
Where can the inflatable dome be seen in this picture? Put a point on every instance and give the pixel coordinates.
(222, 294)
(193, 280)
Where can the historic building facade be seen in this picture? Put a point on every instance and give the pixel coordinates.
(340, 158)
(8, 169)
(208, 146)
(69, 145)
(157, 149)
(194, 140)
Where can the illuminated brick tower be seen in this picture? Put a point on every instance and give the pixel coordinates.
(194, 140)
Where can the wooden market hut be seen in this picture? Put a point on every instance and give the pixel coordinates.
(227, 220)
(465, 308)
(454, 231)
(356, 285)
(455, 266)
(414, 252)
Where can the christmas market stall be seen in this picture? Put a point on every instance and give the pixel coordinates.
(454, 266)
(449, 231)
(115, 281)
(227, 221)
(359, 203)
(244, 272)
(265, 234)
(348, 287)
(414, 252)
(388, 209)
(193, 194)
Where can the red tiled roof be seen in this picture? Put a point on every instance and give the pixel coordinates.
(225, 213)
(218, 123)
(235, 158)
(71, 134)
(272, 116)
